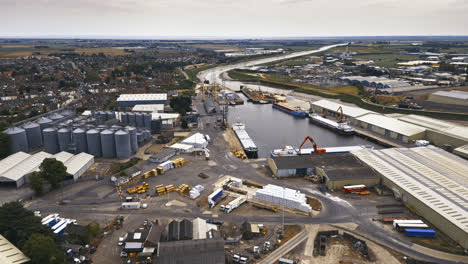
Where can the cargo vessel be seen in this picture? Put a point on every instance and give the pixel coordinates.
(341, 128)
(295, 112)
(291, 151)
(250, 149)
(257, 97)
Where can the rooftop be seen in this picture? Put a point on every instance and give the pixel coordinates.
(148, 108)
(392, 124)
(203, 251)
(454, 94)
(435, 124)
(347, 110)
(9, 254)
(362, 172)
(316, 160)
(141, 97)
(433, 176)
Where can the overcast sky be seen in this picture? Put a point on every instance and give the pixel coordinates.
(228, 18)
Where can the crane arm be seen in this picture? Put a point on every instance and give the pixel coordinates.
(341, 114)
(316, 150)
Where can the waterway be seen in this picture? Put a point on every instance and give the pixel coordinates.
(271, 128)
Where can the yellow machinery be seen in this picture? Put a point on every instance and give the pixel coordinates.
(138, 189)
(239, 154)
(340, 118)
(183, 189)
(178, 162)
(203, 93)
(160, 190)
(170, 188)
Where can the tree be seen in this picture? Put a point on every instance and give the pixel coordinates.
(37, 183)
(91, 232)
(92, 76)
(53, 171)
(184, 123)
(17, 224)
(42, 249)
(4, 145)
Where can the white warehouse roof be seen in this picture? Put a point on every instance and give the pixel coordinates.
(142, 97)
(12, 160)
(435, 124)
(163, 116)
(453, 94)
(433, 176)
(79, 162)
(391, 124)
(148, 108)
(347, 110)
(9, 254)
(26, 166)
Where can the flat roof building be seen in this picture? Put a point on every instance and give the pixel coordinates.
(151, 108)
(130, 100)
(450, 97)
(430, 180)
(203, 251)
(349, 112)
(9, 254)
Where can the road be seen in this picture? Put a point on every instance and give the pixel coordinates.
(284, 249)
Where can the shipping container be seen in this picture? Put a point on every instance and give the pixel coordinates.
(401, 227)
(354, 188)
(419, 232)
(131, 205)
(395, 222)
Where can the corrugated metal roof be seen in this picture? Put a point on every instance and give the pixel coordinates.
(77, 162)
(12, 160)
(391, 124)
(347, 110)
(157, 116)
(142, 97)
(453, 94)
(435, 124)
(26, 166)
(148, 108)
(9, 254)
(433, 176)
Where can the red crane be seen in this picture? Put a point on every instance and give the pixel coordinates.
(316, 150)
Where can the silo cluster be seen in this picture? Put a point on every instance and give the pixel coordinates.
(137, 119)
(102, 116)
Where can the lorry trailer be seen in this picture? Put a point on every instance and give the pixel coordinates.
(354, 188)
(213, 196)
(234, 204)
(395, 222)
(420, 232)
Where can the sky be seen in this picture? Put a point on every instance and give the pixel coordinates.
(232, 18)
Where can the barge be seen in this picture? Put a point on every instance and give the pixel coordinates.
(291, 151)
(257, 97)
(341, 128)
(295, 112)
(250, 149)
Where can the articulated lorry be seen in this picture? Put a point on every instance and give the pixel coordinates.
(213, 197)
(233, 204)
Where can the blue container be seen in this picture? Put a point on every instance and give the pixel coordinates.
(419, 232)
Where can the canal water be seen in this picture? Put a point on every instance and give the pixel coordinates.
(271, 128)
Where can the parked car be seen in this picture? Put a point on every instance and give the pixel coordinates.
(123, 254)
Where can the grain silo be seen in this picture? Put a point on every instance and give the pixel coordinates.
(110, 115)
(79, 138)
(107, 143)
(102, 117)
(54, 117)
(147, 120)
(18, 139)
(93, 137)
(124, 118)
(116, 127)
(139, 120)
(34, 135)
(50, 140)
(140, 138)
(147, 134)
(64, 138)
(44, 122)
(131, 119)
(133, 138)
(122, 144)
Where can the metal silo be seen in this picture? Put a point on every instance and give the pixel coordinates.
(147, 121)
(124, 118)
(64, 138)
(139, 120)
(79, 138)
(131, 119)
(116, 127)
(147, 134)
(133, 138)
(140, 138)
(18, 139)
(110, 115)
(44, 122)
(50, 140)
(55, 117)
(107, 143)
(93, 137)
(122, 144)
(34, 135)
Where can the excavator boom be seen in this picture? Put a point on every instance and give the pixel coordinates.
(316, 150)
(341, 114)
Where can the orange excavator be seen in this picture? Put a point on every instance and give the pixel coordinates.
(340, 118)
(316, 150)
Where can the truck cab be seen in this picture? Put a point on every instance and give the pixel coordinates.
(243, 260)
(235, 258)
(222, 208)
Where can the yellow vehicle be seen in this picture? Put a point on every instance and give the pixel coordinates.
(160, 170)
(132, 190)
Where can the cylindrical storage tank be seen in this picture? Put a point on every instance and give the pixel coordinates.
(103, 127)
(102, 116)
(139, 120)
(131, 119)
(90, 126)
(147, 120)
(148, 134)
(44, 122)
(50, 140)
(55, 117)
(124, 118)
(107, 143)
(93, 137)
(64, 138)
(33, 133)
(122, 144)
(110, 115)
(133, 138)
(18, 139)
(79, 138)
(140, 138)
(116, 127)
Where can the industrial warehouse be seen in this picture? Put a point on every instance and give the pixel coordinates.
(429, 180)
(15, 168)
(130, 100)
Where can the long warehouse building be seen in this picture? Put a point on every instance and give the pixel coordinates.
(429, 180)
(130, 100)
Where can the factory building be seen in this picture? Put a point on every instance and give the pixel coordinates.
(15, 169)
(390, 127)
(337, 178)
(450, 97)
(430, 181)
(150, 108)
(130, 100)
(439, 133)
(376, 82)
(350, 113)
